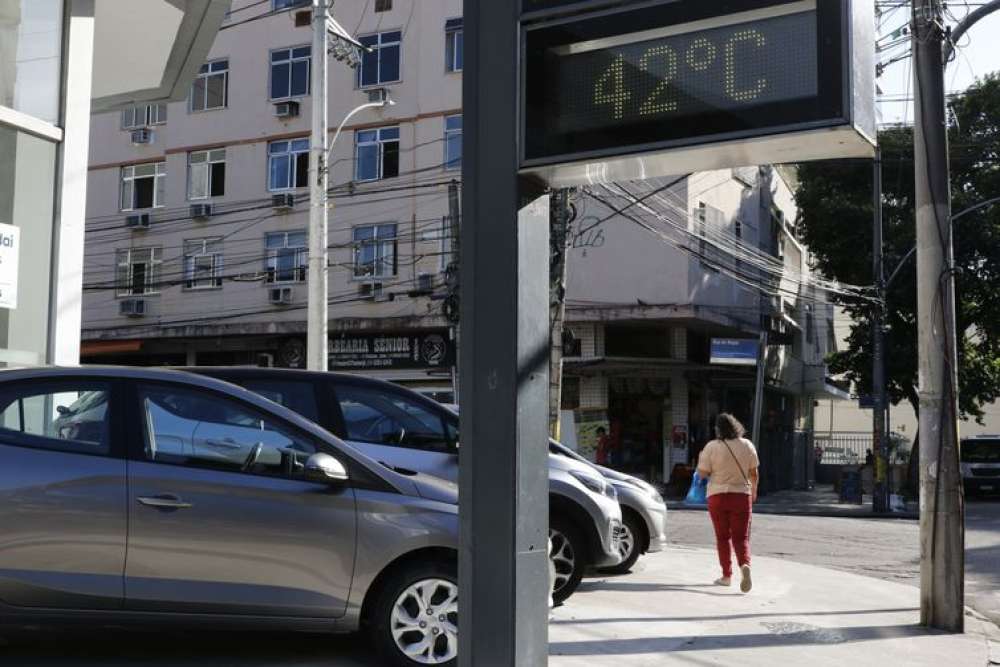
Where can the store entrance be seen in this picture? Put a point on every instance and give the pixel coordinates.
(636, 409)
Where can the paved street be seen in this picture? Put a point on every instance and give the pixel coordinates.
(885, 549)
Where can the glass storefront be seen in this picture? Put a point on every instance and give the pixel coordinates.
(27, 188)
(31, 34)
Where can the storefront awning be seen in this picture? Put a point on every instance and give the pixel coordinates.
(99, 347)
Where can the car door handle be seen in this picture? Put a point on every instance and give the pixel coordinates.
(164, 502)
(228, 443)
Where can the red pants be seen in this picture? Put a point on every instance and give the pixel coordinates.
(730, 514)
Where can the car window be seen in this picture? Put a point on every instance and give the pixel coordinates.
(67, 416)
(204, 429)
(388, 418)
(297, 396)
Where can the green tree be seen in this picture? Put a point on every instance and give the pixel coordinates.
(835, 200)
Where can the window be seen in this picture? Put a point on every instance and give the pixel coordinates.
(277, 5)
(453, 142)
(386, 418)
(210, 89)
(207, 174)
(144, 115)
(375, 251)
(68, 416)
(287, 164)
(144, 186)
(383, 6)
(380, 65)
(453, 37)
(299, 397)
(203, 263)
(376, 154)
(287, 257)
(205, 430)
(138, 271)
(290, 72)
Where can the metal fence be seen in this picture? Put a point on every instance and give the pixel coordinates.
(842, 447)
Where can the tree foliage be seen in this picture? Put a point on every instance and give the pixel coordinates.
(836, 203)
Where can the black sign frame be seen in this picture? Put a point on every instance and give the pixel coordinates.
(833, 16)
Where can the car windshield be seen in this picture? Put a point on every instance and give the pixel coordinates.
(981, 451)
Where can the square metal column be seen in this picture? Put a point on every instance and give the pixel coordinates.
(503, 480)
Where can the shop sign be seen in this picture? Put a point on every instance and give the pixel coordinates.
(10, 243)
(734, 351)
(391, 351)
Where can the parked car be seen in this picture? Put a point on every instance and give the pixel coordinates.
(231, 510)
(981, 464)
(644, 514)
(406, 429)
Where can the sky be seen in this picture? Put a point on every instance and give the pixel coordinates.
(978, 54)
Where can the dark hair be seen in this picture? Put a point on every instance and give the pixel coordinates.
(728, 427)
(600, 429)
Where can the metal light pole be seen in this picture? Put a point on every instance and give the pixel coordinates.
(317, 315)
(942, 512)
(880, 497)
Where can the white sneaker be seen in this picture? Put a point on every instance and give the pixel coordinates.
(746, 583)
(723, 581)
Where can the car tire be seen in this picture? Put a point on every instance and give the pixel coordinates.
(568, 554)
(403, 624)
(631, 537)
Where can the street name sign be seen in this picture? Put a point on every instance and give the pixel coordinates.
(734, 351)
(677, 86)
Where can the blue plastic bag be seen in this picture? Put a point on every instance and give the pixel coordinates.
(698, 493)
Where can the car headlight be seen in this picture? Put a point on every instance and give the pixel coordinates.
(596, 484)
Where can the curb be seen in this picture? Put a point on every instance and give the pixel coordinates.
(835, 514)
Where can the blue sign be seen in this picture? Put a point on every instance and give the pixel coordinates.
(734, 351)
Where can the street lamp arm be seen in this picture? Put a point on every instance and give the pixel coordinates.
(913, 250)
(959, 31)
(340, 128)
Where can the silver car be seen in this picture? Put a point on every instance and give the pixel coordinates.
(402, 428)
(644, 514)
(151, 496)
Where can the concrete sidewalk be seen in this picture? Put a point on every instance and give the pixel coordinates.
(669, 613)
(820, 501)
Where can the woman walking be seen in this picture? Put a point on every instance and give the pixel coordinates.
(730, 462)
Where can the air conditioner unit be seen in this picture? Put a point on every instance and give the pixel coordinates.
(286, 109)
(383, 297)
(369, 290)
(142, 136)
(303, 19)
(132, 307)
(425, 282)
(201, 211)
(280, 296)
(283, 202)
(377, 95)
(138, 221)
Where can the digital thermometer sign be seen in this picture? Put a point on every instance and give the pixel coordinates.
(687, 73)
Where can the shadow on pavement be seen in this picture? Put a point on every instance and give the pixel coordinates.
(184, 649)
(732, 617)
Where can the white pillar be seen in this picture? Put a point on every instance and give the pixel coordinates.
(316, 332)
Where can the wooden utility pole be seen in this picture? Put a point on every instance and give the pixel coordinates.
(942, 511)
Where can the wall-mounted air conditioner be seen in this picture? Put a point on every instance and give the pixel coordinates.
(283, 202)
(201, 211)
(288, 109)
(138, 221)
(280, 296)
(132, 307)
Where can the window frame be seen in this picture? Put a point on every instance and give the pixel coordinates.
(337, 389)
(292, 58)
(452, 34)
(209, 172)
(151, 115)
(293, 170)
(378, 46)
(217, 255)
(271, 255)
(64, 384)
(206, 75)
(449, 136)
(159, 177)
(152, 277)
(291, 4)
(379, 243)
(380, 142)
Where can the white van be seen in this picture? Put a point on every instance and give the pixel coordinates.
(981, 464)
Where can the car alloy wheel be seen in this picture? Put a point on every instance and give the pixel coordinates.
(626, 542)
(424, 622)
(564, 558)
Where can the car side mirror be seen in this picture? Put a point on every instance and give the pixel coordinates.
(324, 468)
(63, 410)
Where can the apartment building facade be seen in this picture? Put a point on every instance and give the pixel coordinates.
(650, 289)
(198, 210)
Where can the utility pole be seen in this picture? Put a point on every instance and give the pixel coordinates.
(559, 217)
(454, 229)
(317, 310)
(880, 443)
(942, 511)
(758, 395)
